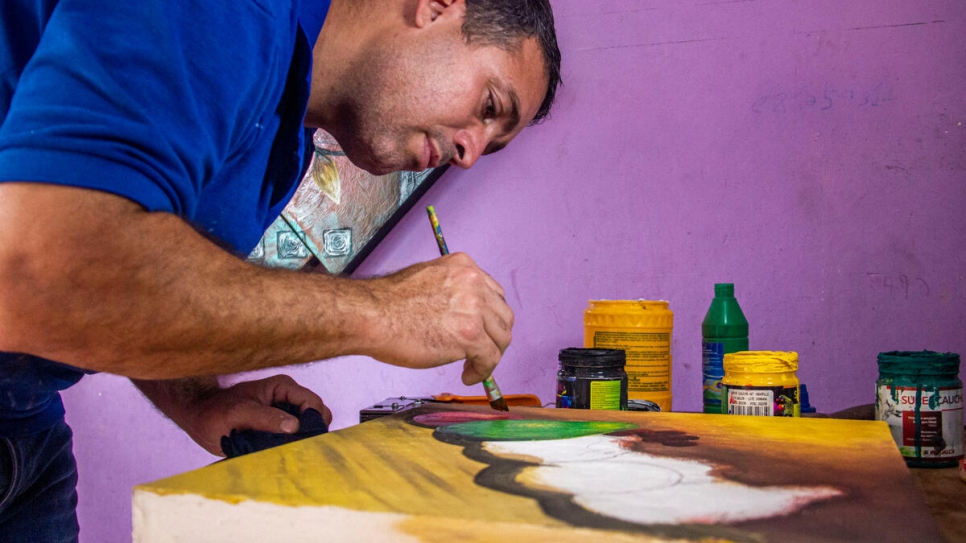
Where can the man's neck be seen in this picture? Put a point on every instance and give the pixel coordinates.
(350, 26)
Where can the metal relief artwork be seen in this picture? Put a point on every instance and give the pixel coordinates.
(339, 213)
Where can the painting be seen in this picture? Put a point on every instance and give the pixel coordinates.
(339, 213)
(440, 473)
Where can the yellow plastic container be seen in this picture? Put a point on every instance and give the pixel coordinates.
(642, 328)
(762, 383)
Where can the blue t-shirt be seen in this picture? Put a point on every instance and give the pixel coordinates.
(189, 107)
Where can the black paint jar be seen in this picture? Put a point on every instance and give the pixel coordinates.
(592, 379)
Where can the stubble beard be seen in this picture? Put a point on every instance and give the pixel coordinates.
(372, 117)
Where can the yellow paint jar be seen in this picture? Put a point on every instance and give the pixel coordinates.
(642, 329)
(762, 383)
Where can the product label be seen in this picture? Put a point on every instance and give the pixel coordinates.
(926, 422)
(648, 358)
(605, 395)
(573, 393)
(712, 367)
(762, 401)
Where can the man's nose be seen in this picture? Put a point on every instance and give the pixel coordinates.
(469, 145)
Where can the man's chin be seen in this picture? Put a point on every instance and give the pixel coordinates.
(382, 169)
(371, 166)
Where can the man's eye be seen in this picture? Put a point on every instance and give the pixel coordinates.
(490, 111)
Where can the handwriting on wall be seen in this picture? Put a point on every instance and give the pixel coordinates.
(899, 285)
(829, 97)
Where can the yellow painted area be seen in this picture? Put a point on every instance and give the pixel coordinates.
(442, 530)
(384, 465)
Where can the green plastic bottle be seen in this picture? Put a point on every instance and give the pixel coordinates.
(724, 330)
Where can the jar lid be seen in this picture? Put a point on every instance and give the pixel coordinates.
(629, 313)
(918, 363)
(592, 358)
(761, 361)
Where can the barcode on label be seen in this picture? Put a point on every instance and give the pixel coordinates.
(760, 411)
(754, 401)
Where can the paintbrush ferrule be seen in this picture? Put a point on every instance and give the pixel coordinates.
(493, 395)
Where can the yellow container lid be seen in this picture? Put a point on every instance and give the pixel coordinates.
(761, 361)
(629, 313)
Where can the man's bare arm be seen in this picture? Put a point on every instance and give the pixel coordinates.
(92, 280)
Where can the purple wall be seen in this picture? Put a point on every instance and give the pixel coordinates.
(813, 153)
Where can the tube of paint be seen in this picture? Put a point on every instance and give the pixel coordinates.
(724, 330)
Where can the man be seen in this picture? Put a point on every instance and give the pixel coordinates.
(145, 146)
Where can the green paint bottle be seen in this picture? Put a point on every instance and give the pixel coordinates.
(724, 330)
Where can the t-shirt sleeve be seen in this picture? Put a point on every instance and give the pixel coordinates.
(145, 103)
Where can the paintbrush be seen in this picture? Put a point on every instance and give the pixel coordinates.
(489, 385)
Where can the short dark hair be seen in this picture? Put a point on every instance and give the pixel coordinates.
(506, 23)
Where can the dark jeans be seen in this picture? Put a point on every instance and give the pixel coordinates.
(38, 480)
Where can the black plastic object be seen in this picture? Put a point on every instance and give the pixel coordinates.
(243, 442)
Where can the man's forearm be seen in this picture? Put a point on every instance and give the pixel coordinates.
(175, 397)
(100, 284)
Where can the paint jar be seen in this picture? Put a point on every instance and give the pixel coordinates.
(592, 379)
(642, 329)
(761, 383)
(920, 396)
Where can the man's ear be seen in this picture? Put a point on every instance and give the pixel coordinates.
(432, 11)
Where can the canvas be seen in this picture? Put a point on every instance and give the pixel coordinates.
(436, 474)
(339, 213)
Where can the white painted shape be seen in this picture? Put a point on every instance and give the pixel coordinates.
(614, 481)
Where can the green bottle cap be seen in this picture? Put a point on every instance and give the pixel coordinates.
(724, 290)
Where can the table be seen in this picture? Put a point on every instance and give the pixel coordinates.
(945, 494)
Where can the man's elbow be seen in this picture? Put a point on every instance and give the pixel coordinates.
(22, 304)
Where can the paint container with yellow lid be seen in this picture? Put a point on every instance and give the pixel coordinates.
(762, 383)
(642, 329)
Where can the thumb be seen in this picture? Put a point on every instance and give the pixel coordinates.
(472, 374)
(265, 418)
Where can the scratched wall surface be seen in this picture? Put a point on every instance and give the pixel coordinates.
(813, 153)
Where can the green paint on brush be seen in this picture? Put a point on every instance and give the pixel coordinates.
(530, 430)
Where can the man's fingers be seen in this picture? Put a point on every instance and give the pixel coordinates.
(279, 389)
(471, 374)
(498, 324)
(496, 287)
(287, 390)
(478, 366)
(264, 418)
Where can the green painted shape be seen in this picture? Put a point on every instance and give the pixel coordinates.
(531, 430)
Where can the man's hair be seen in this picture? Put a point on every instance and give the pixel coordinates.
(506, 23)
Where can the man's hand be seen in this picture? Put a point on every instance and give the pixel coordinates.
(441, 311)
(206, 411)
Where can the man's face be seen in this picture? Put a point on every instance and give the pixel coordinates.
(437, 100)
